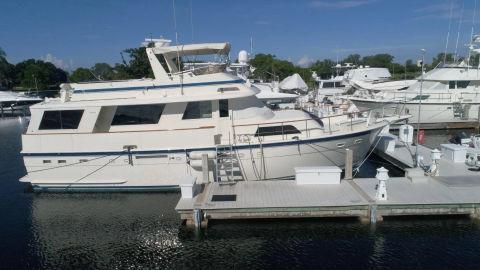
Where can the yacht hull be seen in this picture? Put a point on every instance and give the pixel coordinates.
(165, 169)
(434, 115)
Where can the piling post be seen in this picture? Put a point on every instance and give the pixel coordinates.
(205, 171)
(197, 218)
(348, 164)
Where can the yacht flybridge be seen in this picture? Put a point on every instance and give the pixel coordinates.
(203, 123)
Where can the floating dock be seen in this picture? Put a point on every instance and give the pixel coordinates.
(453, 189)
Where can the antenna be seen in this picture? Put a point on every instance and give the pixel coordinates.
(448, 34)
(176, 44)
(471, 32)
(251, 46)
(458, 31)
(191, 19)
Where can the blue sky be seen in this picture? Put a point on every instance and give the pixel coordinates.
(74, 33)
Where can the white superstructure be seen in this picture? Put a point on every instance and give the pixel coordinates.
(149, 134)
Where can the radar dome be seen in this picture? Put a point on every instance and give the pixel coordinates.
(243, 57)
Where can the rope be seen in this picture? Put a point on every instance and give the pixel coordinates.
(94, 171)
(71, 164)
(365, 159)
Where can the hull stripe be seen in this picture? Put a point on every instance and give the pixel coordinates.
(154, 87)
(238, 147)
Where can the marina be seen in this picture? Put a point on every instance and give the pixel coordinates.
(219, 135)
(452, 189)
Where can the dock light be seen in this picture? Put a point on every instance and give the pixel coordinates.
(435, 156)
(382, 177)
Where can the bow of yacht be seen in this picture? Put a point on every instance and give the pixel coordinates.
(203, 123)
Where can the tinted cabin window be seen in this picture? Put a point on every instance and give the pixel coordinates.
(328, 85)
(451, 84)
(68, 119)
(276, 130)
(137, 114)
(420, 97)
(462, 84)
(223, 107)
(198, 110)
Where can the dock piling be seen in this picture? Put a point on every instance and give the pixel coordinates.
(348, 164)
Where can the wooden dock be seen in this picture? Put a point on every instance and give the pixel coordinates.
(456, 191)
(350, 198)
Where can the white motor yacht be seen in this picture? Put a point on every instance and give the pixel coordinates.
(449, 96)
(199, 123)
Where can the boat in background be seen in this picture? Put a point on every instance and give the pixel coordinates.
(449, 96)
(13, 103)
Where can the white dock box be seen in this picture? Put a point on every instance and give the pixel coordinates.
(454, 152)
(317, 175)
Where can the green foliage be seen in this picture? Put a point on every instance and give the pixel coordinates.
(2, 53)
(353, 59)
(6, 71)
(138, 66)
(103, 71)
(81, 75)
(323, 68)
(439, 58)
(37, 74)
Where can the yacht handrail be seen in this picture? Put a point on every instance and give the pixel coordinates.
(326, 125)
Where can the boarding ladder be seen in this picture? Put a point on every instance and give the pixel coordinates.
(227, 164)
(458, 110)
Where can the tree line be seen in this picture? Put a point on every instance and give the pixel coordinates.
(37, 74)
(268, 67)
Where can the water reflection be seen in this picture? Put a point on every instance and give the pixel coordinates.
(138, 231)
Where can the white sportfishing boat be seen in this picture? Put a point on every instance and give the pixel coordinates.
(11, 102)
(203, 123)
(449, 96)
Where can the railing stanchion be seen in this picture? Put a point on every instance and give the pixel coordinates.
(329, 125)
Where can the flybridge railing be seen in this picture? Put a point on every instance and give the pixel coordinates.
(436, 96)
(328, 124)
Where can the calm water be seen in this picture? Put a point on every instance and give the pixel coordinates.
(139, 231)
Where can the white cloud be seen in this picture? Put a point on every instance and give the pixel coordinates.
(305, 61)
(262, 22)
(59, 63)
(341, 4)
(451, 9)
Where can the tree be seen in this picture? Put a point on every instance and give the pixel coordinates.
(267, 67)
(324, 68)
(379, 60)
(353, 59)
(37, 74)
(440, 58)
(81, 75)
(139, 65)
(6, 71)
(2, 53)
(103, 71)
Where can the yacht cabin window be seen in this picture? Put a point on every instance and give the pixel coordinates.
(138, 114)
(331, 84)
(460, 84)
(276, 130)
(66, 119)
(198, 110)
(223, 107)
